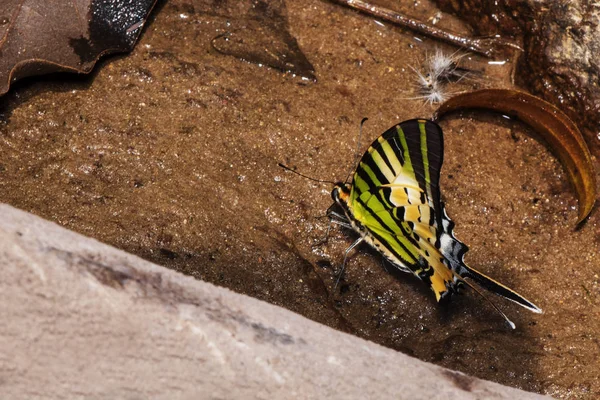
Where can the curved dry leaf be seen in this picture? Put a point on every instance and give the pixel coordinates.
(38, 37)
(561, 133)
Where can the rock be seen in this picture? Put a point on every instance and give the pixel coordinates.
(84, 320)
(561, 62)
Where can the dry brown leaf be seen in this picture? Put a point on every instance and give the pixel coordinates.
(38, 37)
(561, 133)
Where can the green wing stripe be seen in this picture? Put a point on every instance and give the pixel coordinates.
(413, 144)
(387, 153)
(395, 201)
(374, 203)
(419, 266)
(408, 165)
(403, 150)
(399, 245)
(422, 144)
(432, 149)
(368, 181)
(373, 178)
(425, 157)
(412, 233)
(379, 161)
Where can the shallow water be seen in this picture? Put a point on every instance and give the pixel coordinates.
(171, 153)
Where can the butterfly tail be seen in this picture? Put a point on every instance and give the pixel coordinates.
(498, 288)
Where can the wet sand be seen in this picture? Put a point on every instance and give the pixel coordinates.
(171, 153)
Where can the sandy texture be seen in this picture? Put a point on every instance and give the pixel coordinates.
(171, 154)
(84, 320)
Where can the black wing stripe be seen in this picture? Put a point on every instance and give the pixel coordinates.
(389, 229)
(384, 157)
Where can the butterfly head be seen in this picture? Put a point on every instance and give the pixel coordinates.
(340, 194)
(341, 197)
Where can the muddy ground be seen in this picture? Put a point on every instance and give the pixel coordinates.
(171, 153)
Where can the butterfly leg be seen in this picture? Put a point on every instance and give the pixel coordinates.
(333, 214)
(341, 221)
(348, 250)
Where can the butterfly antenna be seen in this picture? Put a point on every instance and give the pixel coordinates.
(305, 176)
(469, 284)
(356, 153)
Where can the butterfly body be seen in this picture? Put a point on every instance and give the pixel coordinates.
(393, 203)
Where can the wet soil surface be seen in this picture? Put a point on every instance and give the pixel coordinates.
(171, 153)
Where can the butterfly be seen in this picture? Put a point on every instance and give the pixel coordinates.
(393, 202)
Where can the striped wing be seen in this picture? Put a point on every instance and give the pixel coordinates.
(395, 195)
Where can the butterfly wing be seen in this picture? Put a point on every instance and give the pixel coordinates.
(395, 195)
